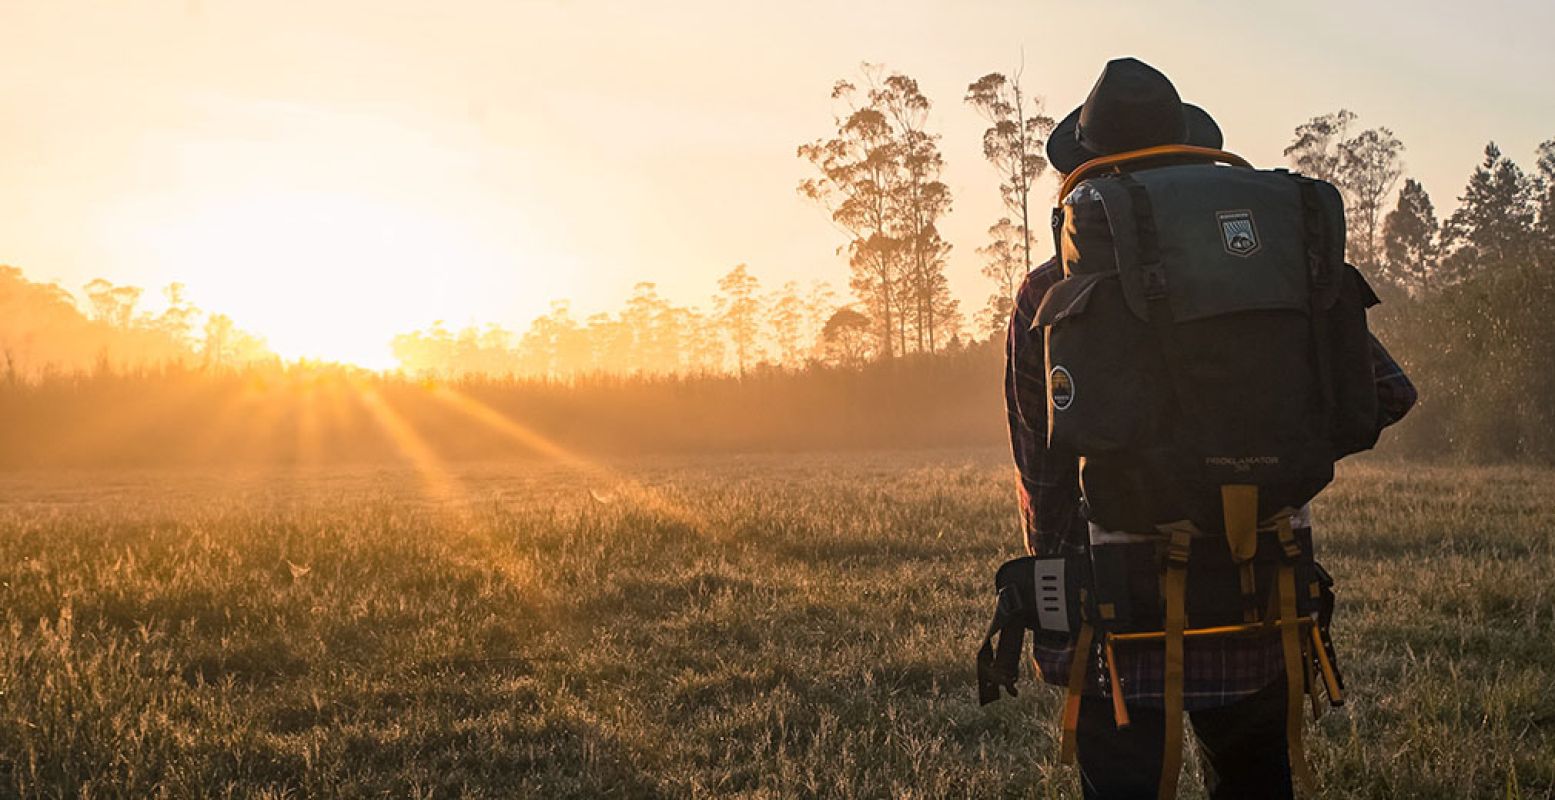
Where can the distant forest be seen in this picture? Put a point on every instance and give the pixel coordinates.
(896, 361)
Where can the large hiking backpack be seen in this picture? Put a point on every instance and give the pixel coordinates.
(1207, 333)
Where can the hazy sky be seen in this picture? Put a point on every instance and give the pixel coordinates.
(333, 172)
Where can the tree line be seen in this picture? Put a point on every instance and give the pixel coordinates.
(45, 331)
(651, 336)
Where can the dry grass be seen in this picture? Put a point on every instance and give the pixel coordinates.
(762, 627)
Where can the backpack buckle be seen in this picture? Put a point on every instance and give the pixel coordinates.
(1177, 548)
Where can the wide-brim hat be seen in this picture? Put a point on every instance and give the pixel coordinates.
(1131, 107)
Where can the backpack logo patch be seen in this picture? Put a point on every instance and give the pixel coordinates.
(1238, 232)
(1060, 386)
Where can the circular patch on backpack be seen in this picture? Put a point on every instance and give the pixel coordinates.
(1060, 386)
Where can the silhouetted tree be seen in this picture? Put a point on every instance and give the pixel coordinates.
(571, 341)
(1410, 236)
(655, 332)
(858, 174)
(425, 352)
(114, 305)
(919, 200)
(706, 342)
(786, 317)
(739, 312)
(1004, 265)
(555, 346)
(947, 311)
(846, 338)
(673, 337)
(1494, 223)
(1014, 143)
(1364, 167)
(178, 319)
(228, 346)
(218, 334)
(1546, 228)
(1369, 169)
(820, 304)
(41, 327)
(880, 178)
(611, 344)
(1315, 150)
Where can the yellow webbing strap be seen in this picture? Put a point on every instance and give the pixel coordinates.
(1077, 669)
(1330, 676)
(1290, 644)
(1249, 592)
(1310, 661)
(1239, 505)
(1176, 590)
(1119, 708)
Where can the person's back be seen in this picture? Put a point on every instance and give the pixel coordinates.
(1235, 688)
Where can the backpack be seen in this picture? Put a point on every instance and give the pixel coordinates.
(1207, 333)
(1208, 361)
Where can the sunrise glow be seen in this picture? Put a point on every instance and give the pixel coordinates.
(321, 275)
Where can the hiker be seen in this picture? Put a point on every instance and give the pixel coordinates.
(1234, 689)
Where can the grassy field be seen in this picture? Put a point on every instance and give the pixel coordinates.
(769, 626)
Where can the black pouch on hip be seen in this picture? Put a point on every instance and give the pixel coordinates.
(1039, 594)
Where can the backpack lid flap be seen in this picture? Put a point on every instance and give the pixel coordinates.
(1229, 240)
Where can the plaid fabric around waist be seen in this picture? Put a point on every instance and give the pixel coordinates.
(1216, 672)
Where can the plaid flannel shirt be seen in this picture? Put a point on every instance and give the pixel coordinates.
(1215, 671)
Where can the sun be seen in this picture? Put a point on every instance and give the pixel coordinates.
(319, 274)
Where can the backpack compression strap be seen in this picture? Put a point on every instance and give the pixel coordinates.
(1239, 505)
(1175, 588)
(1078, 667)
(1290, 645)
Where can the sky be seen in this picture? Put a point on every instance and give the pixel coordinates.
(332, 173)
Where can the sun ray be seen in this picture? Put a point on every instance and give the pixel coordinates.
(440, 485)
(337, 418)
(218, 429)
(630, 489)
(497, 421)
(307, 395)
(258, 439)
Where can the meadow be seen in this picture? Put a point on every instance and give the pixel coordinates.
(752, 626)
